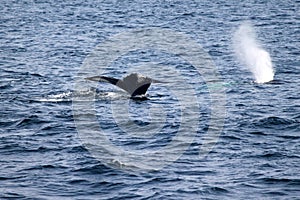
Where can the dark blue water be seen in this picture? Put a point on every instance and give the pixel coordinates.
(43, 156)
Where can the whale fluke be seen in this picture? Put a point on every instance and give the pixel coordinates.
(135, 84)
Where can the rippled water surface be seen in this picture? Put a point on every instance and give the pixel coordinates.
(43, 156)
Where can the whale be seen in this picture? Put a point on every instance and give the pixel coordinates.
(135, 84)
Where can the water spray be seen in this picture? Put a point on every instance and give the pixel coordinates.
(250, 53)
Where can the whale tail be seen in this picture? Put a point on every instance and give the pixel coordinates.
(135, 84)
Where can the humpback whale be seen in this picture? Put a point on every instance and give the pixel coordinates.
(135, 84)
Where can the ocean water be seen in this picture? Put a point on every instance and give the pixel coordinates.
(45, 48)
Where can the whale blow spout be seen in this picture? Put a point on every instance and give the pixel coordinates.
(250, 53)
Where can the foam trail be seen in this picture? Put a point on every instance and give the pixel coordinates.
(250, 53)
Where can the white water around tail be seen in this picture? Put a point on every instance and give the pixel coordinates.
(250, 53)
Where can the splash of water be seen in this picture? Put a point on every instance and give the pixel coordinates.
(250, 53)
